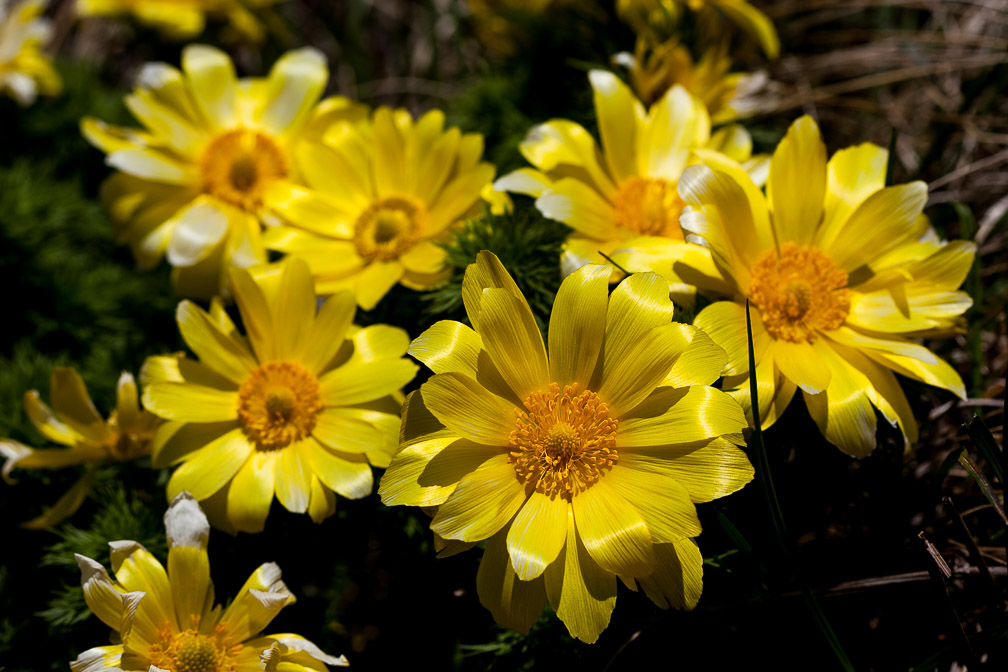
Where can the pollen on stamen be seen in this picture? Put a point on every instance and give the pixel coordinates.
(564, 441)
(193, 651)
(799, 291)
(389, 227)
(278, 404)
(649, 206)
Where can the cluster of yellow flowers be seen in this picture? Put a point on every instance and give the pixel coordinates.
(578, 459)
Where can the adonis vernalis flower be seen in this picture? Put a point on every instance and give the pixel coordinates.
(74, 422)
(655, 68)
(381, 194)
(579, 463)
(625, 203)
(645, 15)
(193, 184)
(841, 272)
(24, 70)
(166, 621)
(300, 407)
(182, 19)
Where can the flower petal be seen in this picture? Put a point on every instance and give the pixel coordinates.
(73, 405)
(661, 501)
(190, 403)
(885, 220)
(802, 364)
(797, 183)
(448, 347)
(210, 76)
(853, 174)
(514, 603)
(103, 597)
(293, 479)
(205, 471)
(512, 339)
(580, 207)
(678, 577)
(582, 593)
(483, 502)
(197, 229)
(613, 531)
(343, 473)
(222, 353)
(469, 409)
(577, 325)
(251, 492)
(294, 85)
(682, 415)
(843, 411)
(537, 534)
(358, 382)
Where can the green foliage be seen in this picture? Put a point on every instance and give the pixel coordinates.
(527, 244)
(547, 645)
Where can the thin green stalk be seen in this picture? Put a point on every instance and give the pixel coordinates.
(984, 440)
(764, 476)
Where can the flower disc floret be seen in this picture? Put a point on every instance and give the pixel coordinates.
(388, 228)
(564, 441)
(649, 207)
(190, 651)
(799, 291)
(237, 166)
(278, 404)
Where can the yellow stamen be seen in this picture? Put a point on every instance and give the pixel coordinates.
(649, 207)
(238, 165)
(800, 291)
(564, 441)
(389, 227)
(278, 404)
(190, 651)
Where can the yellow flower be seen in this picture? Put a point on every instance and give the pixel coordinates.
(74, 422)
(24, 70)
(624, 198)
(579, 463)
(193, 184)
(654, 69)
(166, 621)
(381, 194)
(182, 19)
(841, 272)
(647, 15)
(298, 407)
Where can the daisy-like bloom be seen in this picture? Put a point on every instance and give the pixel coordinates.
(654, 69)
(302, 406)
(579, 463)
(24, 70)
(624, 197)
(74, 422)
(841, 273)
(644, 15)
(182, 19)
(192, 184)
(380, 196)
(166, 621)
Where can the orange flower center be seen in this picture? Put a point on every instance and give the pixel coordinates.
(126, 446)
(564, 441)
(238, 165)
(389, 227)
(190, 651)
(278, 404)
(649, 207)
(799, 292)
